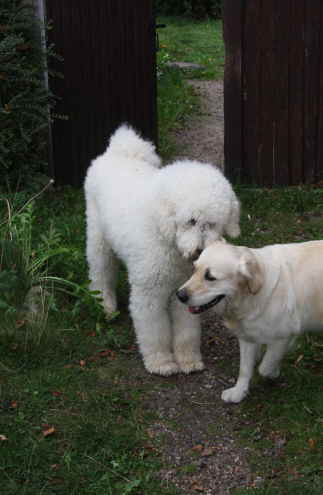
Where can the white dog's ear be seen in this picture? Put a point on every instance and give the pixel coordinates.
(232, 228)
(165, 220)
(251, 271)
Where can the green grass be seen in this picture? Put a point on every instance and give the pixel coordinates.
(199, 42)
(284, 420)
(66, 423)
(176, 102)
(73, 379)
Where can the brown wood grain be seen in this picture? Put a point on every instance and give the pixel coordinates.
(108, 50)
(232, 31)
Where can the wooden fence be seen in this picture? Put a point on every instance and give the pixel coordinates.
(108, 68)
(274, 91)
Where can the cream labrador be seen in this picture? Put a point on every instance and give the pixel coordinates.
(265, 296)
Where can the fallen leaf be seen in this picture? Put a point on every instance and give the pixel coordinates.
(311, 443)
(106, 352)
(208, 451)
(197, 487)
(198, 448)
(91, 334)
(49, 431)
(20, 323)
(299, 359)
(56, 393)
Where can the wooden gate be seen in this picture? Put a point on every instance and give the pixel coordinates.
(108, 67)
(274, 91)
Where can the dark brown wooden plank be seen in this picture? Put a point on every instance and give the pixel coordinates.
(280, 95)
(267, 89)
(311, 89)
(109, 77)
(296, 89)
(319, 159)
(251, 61)
(232, 31)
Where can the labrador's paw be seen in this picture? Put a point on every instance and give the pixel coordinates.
(234, 394)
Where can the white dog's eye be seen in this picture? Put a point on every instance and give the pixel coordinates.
(208, 276)
(192, 221)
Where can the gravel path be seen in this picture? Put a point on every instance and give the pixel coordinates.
(196, 431)
(202, 138)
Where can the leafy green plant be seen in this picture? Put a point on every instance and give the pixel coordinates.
(24, 98)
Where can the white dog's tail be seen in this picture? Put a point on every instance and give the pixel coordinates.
(126, 142)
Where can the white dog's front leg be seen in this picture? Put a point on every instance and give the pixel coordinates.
(103, 265)
(153, 331)
(270, 364)
(187, 337)
(248, 355)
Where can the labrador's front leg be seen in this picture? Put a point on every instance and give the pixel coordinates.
(270, 364)
(248, 355)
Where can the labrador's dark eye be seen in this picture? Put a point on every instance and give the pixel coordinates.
(192, 221)
(208, 276)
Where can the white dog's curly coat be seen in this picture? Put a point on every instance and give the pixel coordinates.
(155, 220)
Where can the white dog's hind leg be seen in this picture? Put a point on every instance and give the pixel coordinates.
(187, 337)
(270, 364)
(103, 265)
(153, 331)
(248, 356)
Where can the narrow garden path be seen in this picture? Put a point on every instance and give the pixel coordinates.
(202, 137)
(196, 431)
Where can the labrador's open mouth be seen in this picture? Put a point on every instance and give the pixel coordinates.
(199, 309)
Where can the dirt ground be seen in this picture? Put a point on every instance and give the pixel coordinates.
(196, 431)
(202, 137)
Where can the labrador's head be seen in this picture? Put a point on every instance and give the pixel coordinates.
(222, 271)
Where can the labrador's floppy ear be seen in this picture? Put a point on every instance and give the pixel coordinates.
(251, 271)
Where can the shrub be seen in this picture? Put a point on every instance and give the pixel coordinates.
(197, 9)
(24, 99)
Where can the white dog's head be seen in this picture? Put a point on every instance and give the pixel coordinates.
(195, 206)
(222, 271)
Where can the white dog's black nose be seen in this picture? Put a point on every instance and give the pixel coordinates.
(182, 295)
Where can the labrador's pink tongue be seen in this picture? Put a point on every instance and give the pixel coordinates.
(193, 309)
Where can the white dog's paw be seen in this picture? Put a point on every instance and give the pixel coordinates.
(189, 365)
(234, 394)
(267, 372)
(160, 365)
(109, 305)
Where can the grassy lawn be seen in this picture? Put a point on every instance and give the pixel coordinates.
(72, 419)
(67, 424)
(283, 422)
(69, 420)
(199, 42)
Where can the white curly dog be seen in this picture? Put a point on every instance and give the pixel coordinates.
(156, 220)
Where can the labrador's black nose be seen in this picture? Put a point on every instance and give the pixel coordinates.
(182, 295)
